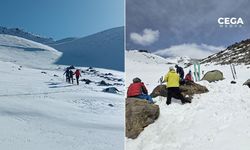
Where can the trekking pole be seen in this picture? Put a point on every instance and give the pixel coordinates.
(232, 71)
(161, 82)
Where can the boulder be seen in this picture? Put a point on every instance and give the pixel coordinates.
(87, 81)
(111, 90)
(103, 83)
(188, 89)
(247, 83)
(139, 114)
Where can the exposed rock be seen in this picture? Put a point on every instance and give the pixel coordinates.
(247, 83)
(139, 114)
(108, 74)
(103, 83)
(87, 81)
(111, 105)
(160, 90)
(142, 50)
(189, 88)
(111, 90)
(233, 82)
(237, 53)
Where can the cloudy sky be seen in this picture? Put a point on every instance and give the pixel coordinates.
(178, 27)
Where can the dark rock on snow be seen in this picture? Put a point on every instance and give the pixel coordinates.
(111, 90)
(233, 82)
(87, 81)
(247, 83)
(111, 105)
(103, 83)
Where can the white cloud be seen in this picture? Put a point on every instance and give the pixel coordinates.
(191, 50)
(148, 37)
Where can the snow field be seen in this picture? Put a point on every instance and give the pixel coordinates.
(219, 119)
(41, 111)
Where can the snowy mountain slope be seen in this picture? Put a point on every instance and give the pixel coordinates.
(39, 110)
(21, 33)
(98, 50)
(218, 119)
(136, 56)
(238, 53)
(29, 53)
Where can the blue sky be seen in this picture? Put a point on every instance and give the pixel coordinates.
(62, 18)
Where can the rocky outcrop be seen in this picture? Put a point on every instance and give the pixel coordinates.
(247, 83)
(189, 88)
(139, 114)
(237, 53)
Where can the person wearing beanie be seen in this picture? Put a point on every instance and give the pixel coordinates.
(138, 90)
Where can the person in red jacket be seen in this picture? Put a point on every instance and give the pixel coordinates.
(188, 77)
(138, 89)
(77, 74)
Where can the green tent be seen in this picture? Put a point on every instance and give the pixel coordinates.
(213, 75)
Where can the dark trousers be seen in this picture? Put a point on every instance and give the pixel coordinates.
(77, 80)
(67, 79)
(175, 93)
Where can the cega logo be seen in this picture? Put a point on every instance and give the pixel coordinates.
(230, 22)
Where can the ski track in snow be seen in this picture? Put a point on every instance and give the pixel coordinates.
(219, 119)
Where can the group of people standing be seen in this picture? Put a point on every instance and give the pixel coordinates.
(70, 75)
(173, 79)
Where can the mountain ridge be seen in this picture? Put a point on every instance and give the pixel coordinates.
(238, 53)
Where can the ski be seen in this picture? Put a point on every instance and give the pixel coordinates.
(199, 71)
(195, 77)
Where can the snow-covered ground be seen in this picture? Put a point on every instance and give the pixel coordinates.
(38, 110)
(219, 119)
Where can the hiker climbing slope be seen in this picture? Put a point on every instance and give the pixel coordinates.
(66, 73)
(71, 74)
(173, 83)
(77, 74)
